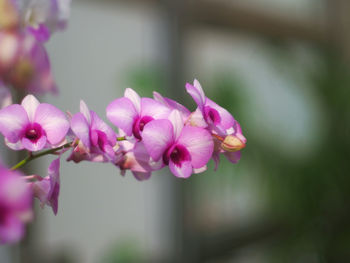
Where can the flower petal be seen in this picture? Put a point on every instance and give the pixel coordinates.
(54, 175)
(233, 157)
(13, 119)
(34, 146)
(12, 231)
(98, 124)
(30, 104)
(196, 119)
(122, 113)
(85, 111)
(53, 121)
(154, 109)
(171, 104)
(157, 136)
(196, 93)
(14, 146)
(226, 119)
(183, 171)
(177, 122)
(134, 98)
(200, 170)
(142, 176)
(80, 127)
(199, 143)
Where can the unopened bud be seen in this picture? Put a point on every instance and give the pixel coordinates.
(232, 143)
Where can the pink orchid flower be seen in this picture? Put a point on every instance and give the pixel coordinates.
(131, 113)
(183, 148)
(47, 189)
(219, 122)
(96, 138)
(32, 125)
(15, 205)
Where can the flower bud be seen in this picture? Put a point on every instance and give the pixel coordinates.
(232, 143)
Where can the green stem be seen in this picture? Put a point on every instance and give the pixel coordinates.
(32, 157)
(121, 138)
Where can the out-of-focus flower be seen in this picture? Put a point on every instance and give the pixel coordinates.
(40, 17)
(183, 148)
(227, 132)
(24, 63)
(96, 138)
(9, 17)
(47, 189)
(131, 113)
(15, 205)
(43, 17)
(5, 96)
(31, 125)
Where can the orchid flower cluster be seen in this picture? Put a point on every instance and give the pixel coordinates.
(153, 133)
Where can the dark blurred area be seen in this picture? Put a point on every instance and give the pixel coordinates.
(282, 69)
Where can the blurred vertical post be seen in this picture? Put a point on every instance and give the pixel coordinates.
(175, 26)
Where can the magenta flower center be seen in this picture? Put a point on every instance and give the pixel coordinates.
(177, 153)
(33, 132)
(212, 115)
(3, 213)
(98, 139)
(139, 124)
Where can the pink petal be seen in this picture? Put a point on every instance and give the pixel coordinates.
(122, 113)
(80, 127)
(14, 146)
(216, 158)
(233, 157)
(154, 109)
(157, 136)
(41, 33)
(134, 98)
(196, 119)
(227, 121)
(85, 111)
(12, 231)
(238, 132)
(13, 119)
(171, 104)
(199, 143)
(196, 93)
(54, 175)
(30, 104)
(177, 122)
(53, 121)
(142, 176)
(34, 146)
(200, 170)
(98, 124)
(183, 171)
